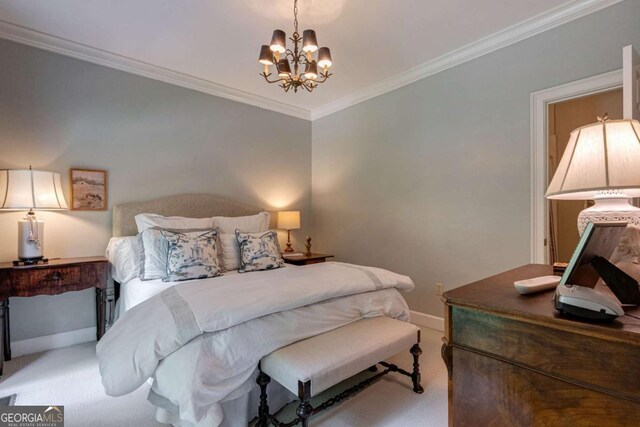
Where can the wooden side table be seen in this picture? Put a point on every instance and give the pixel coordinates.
(306, 259)
(55, 277)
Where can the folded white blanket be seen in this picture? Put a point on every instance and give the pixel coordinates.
(130, 351)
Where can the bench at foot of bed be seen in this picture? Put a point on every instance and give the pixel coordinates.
(311, 366)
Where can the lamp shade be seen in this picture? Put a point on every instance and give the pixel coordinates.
(309, 41)
(324, 57)
(30, 189)
(289, 220)
(266, 55)
(284, 69)
(278, 41)
(599, 157)
(311, 70)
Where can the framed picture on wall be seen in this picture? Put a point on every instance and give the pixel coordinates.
(88, 190)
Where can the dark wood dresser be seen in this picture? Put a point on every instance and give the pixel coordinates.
(513, 360)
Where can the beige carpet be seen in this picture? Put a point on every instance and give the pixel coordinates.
(69, 377)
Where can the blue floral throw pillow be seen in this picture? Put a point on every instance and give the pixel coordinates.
(191, 255)
(259, 251)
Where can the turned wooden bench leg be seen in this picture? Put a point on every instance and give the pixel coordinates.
(416, 351)
(263, 411)
(304, 409)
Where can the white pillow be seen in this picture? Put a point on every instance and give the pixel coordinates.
(124, 255)
(145, 221)
(229, 252)
(153, 256)
(249, 224)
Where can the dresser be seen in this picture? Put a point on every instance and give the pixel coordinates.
(513, 360)
(56, 277)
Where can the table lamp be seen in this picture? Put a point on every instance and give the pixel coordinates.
(601, 162)
(289, 220)
(30, 189)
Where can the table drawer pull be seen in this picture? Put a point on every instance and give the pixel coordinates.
(54, 276)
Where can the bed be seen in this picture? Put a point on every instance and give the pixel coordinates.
(193, 205)
(206, 376)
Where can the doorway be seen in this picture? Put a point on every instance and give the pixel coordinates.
(563, 117)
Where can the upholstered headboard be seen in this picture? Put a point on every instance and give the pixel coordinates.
(187, 205)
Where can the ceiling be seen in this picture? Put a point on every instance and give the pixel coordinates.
(376, 45)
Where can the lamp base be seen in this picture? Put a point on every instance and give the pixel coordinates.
(609, 209)
(30, 237)
(288, 248)
(30, 261)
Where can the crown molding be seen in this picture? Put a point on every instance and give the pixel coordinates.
(511, 35)
(94, 55)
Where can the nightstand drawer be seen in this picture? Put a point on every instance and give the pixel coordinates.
(312, 258)
(314, 261)
(48, 281)
(56, 276)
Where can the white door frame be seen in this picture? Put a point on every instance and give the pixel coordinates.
(539, 157)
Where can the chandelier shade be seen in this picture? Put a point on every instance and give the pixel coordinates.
(309, 41)
(266, 56)
(324, 58)
(311, 70)
(289, 63)
(284, 69)
(279, 41)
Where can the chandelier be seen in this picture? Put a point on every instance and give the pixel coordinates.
(309, 79)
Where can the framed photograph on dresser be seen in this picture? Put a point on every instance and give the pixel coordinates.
(88, 189)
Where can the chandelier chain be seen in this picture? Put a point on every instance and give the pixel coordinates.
(295, 15)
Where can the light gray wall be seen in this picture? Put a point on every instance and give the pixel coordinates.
(153, 138)
(432, 180)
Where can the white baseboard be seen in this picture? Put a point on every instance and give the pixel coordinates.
(49, 342)
(427, 320)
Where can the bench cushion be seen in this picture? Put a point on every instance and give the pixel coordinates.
(334, 356)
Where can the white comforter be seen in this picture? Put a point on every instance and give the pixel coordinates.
(223, 326)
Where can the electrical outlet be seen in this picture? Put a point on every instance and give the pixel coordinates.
(439, 288)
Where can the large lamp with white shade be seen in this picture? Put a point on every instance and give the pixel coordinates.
(22, 189)
(602, 163)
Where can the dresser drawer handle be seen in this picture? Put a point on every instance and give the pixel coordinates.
(53, 277)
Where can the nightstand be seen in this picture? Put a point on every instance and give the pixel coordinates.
(56, 277)
(306, 259)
